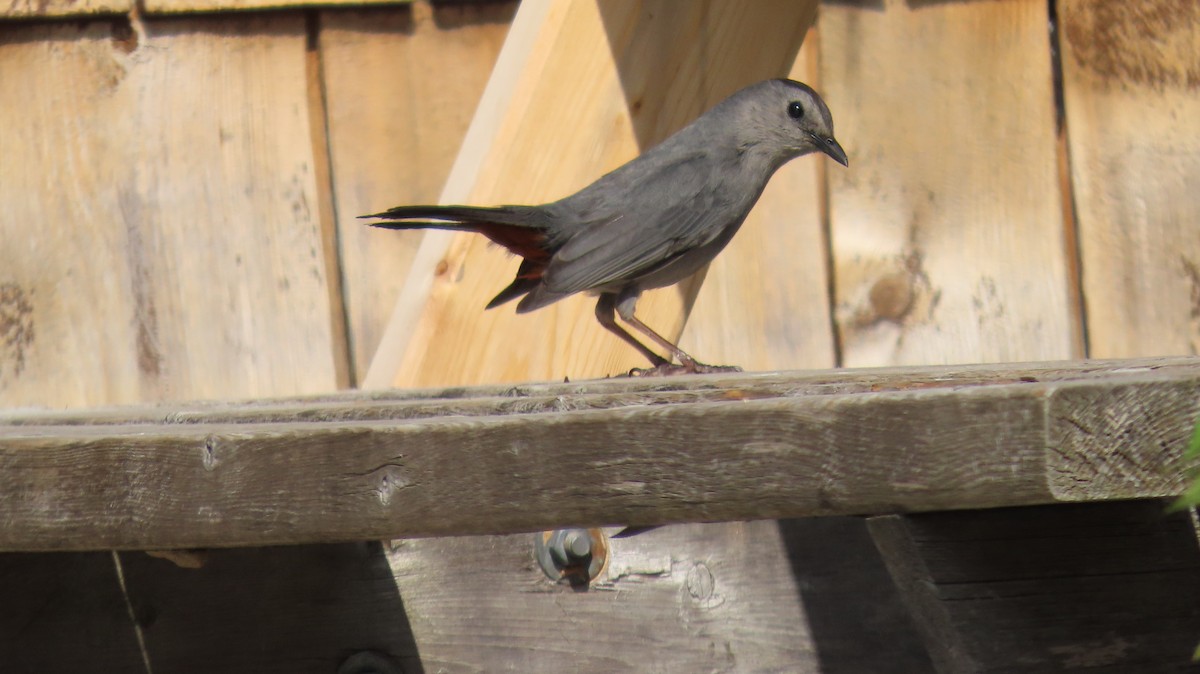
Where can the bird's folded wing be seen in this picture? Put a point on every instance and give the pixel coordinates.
(661, 220)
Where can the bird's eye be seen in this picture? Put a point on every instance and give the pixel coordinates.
(795, 110)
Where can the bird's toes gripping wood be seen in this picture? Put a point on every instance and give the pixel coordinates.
(690, 367)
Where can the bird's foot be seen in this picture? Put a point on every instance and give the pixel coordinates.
(691, 367)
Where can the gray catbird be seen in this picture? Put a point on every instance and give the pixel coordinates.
(655, 220)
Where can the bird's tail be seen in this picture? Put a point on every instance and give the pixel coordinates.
(520, 229)
(453, 217)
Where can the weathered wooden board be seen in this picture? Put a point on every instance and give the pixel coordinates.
(27, 9)
(1130, 77)
(154, 248)
(595, 83)
(212, 484)
(764, 304)
(160, 240)
(1111, 587)
(947, 230)
(688, 598)
(400, 88)
(596, 394)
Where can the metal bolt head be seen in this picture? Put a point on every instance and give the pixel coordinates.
(572, 555)
(570, 547)
(577, 543)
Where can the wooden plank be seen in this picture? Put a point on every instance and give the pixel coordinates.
(520, 46)
(1107, 587)
(151, 248)
(568, 121)
(396, 404)
(947, 231)
(765, 300)
(211, 484)
(1133, 124)
(178, 249)
(400, 88)
(26, 9)
(689, 598)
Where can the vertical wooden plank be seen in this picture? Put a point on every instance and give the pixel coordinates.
(947, 231)
(160, 237)
(948, 235)
(400, 88)
(692, 598)
(764, 304)
(1130, 81)
(569, 121)
(428, 264)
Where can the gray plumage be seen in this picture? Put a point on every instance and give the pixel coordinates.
(655, 220)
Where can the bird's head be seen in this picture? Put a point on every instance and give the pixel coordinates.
(789, 118)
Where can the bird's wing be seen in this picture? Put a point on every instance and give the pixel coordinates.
(666, 214)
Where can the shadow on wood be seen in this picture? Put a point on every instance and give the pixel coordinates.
(667, 87)
(64, 613)
(687, 598)
(857, 620)
(1106, 587)
(282, 609)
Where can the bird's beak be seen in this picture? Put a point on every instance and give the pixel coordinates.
(832, 148)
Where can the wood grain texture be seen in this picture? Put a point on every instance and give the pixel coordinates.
(947, 230)
(718, 597)
(221, 484)
(597, 394)
(154, 248)
(1130, 76)
(764, 304)
(1092, 587)
(520, 47)
(161, 239)
(27, 9)
(400, 86)
(568, 121)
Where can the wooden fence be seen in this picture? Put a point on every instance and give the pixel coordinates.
(181, 199)
(180, 182)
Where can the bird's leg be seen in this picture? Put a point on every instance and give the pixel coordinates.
(687, 365)
(606, 309)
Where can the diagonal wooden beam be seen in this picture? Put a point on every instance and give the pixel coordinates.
(579, 89)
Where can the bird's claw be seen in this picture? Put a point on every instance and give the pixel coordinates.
(669, 369)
